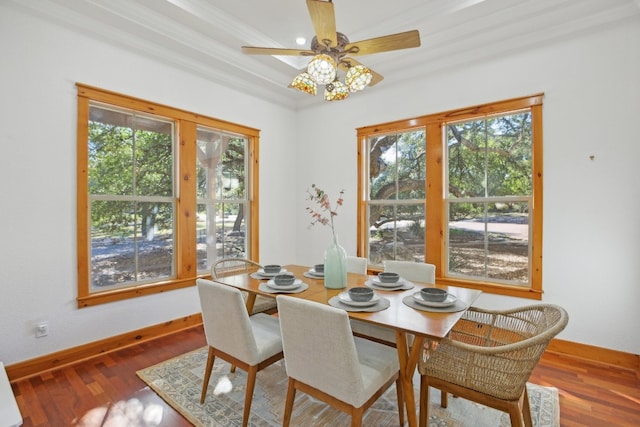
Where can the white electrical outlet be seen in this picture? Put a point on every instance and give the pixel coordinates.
(42, 329)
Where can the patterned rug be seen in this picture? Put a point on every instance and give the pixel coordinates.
(179, 382)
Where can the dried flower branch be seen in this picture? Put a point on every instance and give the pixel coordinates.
(323, 214)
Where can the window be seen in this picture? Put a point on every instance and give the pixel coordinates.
(221, 192)
(460, 189)
(162, 194)
(396, 214)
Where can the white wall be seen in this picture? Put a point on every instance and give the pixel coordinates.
(39, 68)
(591, 232)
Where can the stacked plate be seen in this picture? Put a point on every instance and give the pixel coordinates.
(390, 286)
(317, 274)
(449, 301)
(296, 284)
(265, 275)
(346, 299)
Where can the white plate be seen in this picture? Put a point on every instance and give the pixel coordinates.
(296, 283)
(263, 274)
(450, 300)
(371, 284)
(345, 298)
(382, 284)
(313, 272)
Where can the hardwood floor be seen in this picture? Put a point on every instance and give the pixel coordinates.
(590, 394)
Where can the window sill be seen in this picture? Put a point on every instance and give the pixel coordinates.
(493, 288)
(133, 292)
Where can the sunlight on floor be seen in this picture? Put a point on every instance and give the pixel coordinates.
(224, 386)
(129, 413)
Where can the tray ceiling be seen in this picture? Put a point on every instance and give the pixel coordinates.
(204, 36)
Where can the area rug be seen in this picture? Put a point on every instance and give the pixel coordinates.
(179, 382)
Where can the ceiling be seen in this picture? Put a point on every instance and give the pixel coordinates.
(205, 36)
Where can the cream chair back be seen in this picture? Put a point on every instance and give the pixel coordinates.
(323, 359)
(356, 264)
(226, 321)
(416, 271)
(250, 342)
(326, 357)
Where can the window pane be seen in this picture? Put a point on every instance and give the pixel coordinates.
(221, 170)
(232, 170)
(118, 141)
(154, 163)
(396, 233)
(221, 233)
(490, 241)
(466, 159)
(131, 196)
(130, 242)
(508, 248)
(397, 166)
(110, 158)
(509, 155)
(221, 165)
(495, 151)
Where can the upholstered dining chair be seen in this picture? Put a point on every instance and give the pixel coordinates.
(418, 271)
(249, 342)
(357, 264)
(228, 266)
(324, 360)
(409, 270)
(488, 358)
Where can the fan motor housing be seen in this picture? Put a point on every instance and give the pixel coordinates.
(318, 47)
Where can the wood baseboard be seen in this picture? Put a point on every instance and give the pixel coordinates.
(596, 354)
(48, 362)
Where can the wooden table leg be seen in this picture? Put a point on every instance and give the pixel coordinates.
(408, 359)
(251, 300)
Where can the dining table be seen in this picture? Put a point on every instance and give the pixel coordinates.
(414, 326)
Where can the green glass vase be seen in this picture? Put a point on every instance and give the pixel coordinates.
(335, 266)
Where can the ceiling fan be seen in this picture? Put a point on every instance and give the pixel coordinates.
(332, 50)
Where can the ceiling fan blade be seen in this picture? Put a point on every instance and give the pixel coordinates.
(385, 43)
(323, 19)
(249, 50)
(346, 63)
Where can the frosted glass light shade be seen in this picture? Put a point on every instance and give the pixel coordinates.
(322, 69)
(304, 83)
(358, 77)
(335, 91)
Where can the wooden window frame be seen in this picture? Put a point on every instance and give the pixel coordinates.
(435, 209)
(185, 254)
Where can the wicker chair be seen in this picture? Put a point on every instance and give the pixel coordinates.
(228, 266)
(489, 356)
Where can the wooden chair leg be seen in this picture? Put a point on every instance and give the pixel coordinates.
(424, 402)
(444, 399)
(526, 409)
(288, 404)
(400, 396)
(207, 374)
(248, 395)
(515, 414)
(356, 416)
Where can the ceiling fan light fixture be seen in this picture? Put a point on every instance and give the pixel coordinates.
(358, 77)
(304, 83)
(322, 69)
(335, 91)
